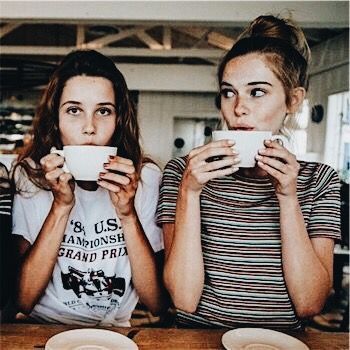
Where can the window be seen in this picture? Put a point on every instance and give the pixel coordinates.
(337, 147)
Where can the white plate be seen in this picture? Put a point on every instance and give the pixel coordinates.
(260, 339)
(90, 339)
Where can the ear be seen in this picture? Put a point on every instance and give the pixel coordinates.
(297, 98)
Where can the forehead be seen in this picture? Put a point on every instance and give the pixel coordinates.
(248, 68)
(82, 85)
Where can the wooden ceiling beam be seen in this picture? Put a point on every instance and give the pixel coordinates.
(220, 40)
(80, 35)
(212, 38)
(149, 41)
(112, 38)
(167, 38)
(8, 28)
(195, 32)
(111, 51)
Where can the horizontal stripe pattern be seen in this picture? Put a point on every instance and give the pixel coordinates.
(5, 204)
(244, 282)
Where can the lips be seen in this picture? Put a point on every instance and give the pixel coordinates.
(243, 128)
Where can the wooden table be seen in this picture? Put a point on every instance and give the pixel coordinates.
(30, 336)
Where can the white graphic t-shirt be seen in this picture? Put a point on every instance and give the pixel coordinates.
(91, 282)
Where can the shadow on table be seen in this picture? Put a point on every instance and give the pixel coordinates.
(141, 317)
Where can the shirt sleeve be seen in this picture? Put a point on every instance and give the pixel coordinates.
(146, 199)
(22, 211)
(325, 214)
(169, 189)
(31, 205)
(26, 221)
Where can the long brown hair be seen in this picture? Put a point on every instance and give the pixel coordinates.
(45, 124)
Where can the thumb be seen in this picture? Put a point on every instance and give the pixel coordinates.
(72, 184)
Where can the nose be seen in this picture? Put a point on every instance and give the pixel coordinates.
(240, 106)
(89, 127)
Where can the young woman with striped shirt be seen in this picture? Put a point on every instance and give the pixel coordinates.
(252, 246)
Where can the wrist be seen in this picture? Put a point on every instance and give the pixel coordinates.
(187, 192)
(61, 209)
(288, 200)
(130, 217)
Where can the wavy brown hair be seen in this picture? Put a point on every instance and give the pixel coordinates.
(45, 124)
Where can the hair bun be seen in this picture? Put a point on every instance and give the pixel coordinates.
(281, 28)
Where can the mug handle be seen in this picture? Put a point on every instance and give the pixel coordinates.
(60, 153)
(280, 138)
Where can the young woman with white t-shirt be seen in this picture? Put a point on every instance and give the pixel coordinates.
(89, 249)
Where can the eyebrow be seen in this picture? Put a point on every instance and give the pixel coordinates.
(225, 83)
(259, 83)
(251, 83)
(79, 103)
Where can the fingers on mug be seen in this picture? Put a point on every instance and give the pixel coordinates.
(60, 153)
(278, 138)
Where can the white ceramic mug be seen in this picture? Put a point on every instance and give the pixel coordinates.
(85, 162)
(247, 143)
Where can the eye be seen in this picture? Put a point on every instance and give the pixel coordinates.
(104, 111)
(73, 110)
(227, 93)
(258, 92)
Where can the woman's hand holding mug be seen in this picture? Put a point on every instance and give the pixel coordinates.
(199, 170)
(59, 181)
(121, 180)
(282, 166)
